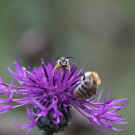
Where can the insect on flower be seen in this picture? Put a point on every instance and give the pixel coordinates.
(88, 86)
(62, 63)
(51, 98)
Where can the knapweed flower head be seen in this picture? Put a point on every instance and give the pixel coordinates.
(50, 96)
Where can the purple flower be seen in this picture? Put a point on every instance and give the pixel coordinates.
(51, 97)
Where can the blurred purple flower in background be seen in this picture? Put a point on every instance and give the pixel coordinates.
(51, 97)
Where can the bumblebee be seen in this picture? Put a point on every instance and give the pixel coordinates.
(88, 86)
(62, 63)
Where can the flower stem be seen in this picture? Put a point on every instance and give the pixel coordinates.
(47, 133)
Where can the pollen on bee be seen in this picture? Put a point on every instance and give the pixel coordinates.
(96, 76)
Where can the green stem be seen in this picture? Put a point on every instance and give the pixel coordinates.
(47, 133)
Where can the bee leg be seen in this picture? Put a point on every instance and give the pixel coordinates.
(61, 71)
(68, 67)
(55, 68)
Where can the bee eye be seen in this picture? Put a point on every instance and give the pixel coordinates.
(94, 83)
(60, 63)
(83, 77)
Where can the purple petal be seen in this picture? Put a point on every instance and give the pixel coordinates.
(29, 114)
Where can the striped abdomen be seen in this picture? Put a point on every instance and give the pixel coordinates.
(85, 90)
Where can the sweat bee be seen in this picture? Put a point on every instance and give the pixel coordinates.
(88, 86)
(62, 63)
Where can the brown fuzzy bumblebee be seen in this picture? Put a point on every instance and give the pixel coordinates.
(62, 62)
(88, 86)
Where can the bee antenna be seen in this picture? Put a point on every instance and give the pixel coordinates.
(70, 57)
(53, 58)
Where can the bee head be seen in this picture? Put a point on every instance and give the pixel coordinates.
(63, 61)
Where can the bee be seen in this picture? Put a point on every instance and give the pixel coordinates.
(88, 86)
(62, 63)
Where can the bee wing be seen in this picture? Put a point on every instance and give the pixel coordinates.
(91, 85)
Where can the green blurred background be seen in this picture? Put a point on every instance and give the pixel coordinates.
(99, 34)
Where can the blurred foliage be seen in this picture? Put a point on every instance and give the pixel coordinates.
(99, 34)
